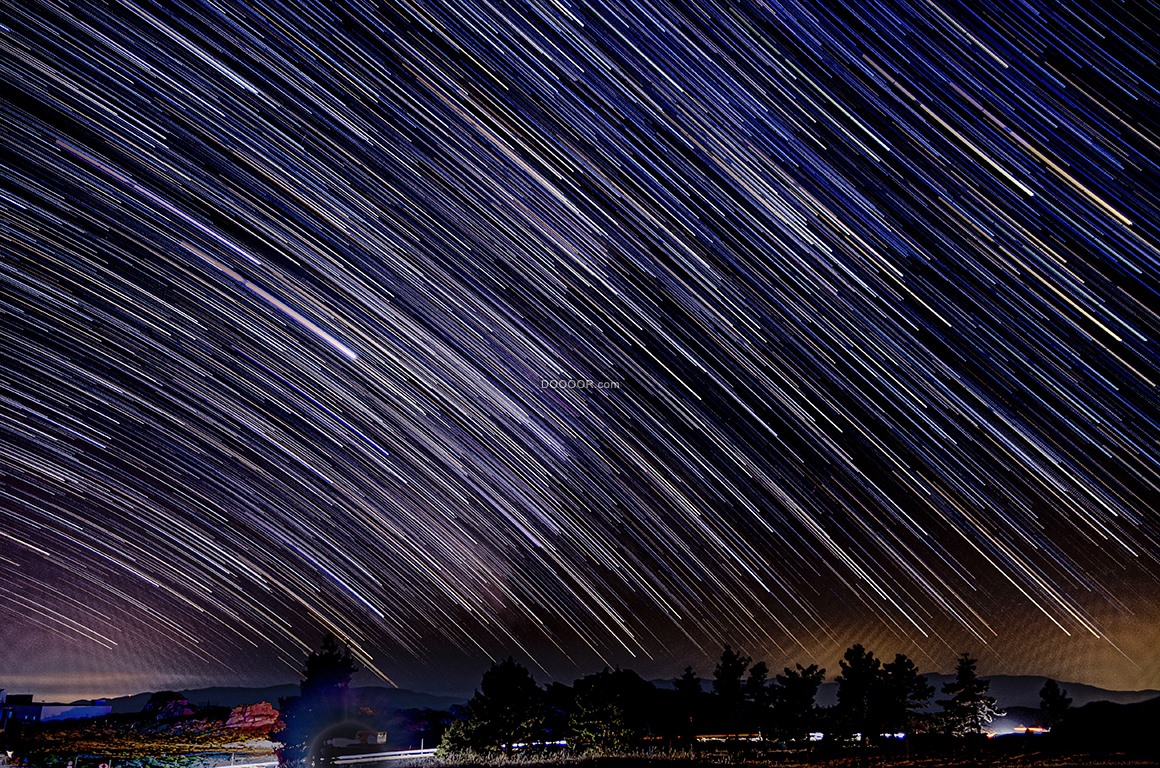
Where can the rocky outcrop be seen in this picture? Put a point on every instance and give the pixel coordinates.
(253, 716)
(178, 709)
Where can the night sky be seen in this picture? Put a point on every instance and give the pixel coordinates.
(863, 304)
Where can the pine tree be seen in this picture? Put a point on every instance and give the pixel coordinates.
(611, 710)
(323, 703)
(688, 687)
(727, 677)
(329, 670)
(794, 693)
(903, 693)
(969, 707)
(755, 689)
(1053, 703)
(688, 684)
(507, 709)
(857, 692)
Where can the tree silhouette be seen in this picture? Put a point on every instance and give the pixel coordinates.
(559, 703)
(506, 710)
(457, 738)
(688, 684)
(328, 670)
(755, 689)
(969, 707)
(1053, 703)
(727, 677)
(858, 692)
(688, 688)
(323, 703)
(902, 693)
(794, 693)
(611, 710)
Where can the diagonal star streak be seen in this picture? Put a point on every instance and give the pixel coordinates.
(283, 284)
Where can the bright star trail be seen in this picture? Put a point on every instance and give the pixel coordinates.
(281, 285)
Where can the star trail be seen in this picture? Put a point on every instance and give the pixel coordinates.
(865, 296)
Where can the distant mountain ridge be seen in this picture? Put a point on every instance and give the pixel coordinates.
(224, 696)
(1009, 690)
(1023, 691)
(1017, 691)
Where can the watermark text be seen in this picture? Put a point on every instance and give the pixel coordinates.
(581, 384)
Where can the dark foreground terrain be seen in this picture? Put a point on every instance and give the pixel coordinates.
(987, 758)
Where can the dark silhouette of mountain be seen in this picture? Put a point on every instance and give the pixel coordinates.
(219, 696)
(1023, 691)
(397, 699)
(390, 699)
(1104, 726)
(1015, 691)
(1011, 691)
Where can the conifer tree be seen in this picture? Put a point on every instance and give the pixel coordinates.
(794, 696)
(506, 710)
(969, 707)
(858, 691)
(1053, 703)
(323, 703)
(903, 693)
(727, 677)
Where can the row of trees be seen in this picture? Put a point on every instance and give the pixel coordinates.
(886, 698)
(616, 710)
